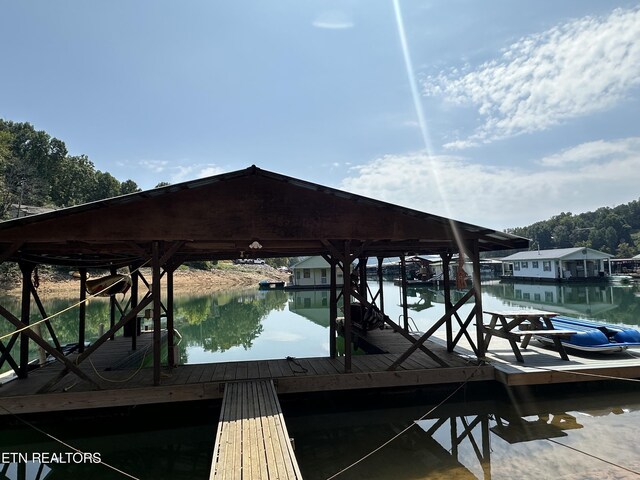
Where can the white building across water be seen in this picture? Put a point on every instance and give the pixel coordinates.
(313, 272)
(562, 264)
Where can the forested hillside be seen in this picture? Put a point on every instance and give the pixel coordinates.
(613, 230)
(36, 169)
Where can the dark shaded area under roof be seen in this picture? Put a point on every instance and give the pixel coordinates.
(219, 217)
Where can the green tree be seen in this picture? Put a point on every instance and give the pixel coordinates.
(625, 250)
(74, 182)
(128, 186)
(106, 186)
(36, 158)
(5, 159)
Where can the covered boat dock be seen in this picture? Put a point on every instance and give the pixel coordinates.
(243, 214)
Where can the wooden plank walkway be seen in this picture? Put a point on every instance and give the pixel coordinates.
(252, 441)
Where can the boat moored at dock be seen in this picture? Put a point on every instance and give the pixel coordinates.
(593, 336)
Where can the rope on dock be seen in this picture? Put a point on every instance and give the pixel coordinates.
(402, 432)
(144, 355)
(593, 456)
(296, 363)
(39, 430)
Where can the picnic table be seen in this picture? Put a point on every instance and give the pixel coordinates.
(513, 325)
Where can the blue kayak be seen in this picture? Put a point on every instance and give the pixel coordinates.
(594, 336)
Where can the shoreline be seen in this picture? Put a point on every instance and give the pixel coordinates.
(185, 280)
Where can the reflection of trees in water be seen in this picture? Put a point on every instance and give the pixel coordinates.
(215, 322)
(219, 322)
(628, 307)
(64, 325)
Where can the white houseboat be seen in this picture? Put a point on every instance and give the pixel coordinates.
(558, 265)
(313, 273)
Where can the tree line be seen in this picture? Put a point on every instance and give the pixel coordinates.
(36, 169)
(614, 230)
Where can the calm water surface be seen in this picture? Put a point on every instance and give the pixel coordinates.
(476, 435)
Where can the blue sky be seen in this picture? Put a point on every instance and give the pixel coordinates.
(513, 112)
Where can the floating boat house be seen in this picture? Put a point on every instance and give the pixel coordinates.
(243, 214)
(313, 273)
(557, 265)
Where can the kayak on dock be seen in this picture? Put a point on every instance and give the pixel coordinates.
(109, 285)
(594, 336)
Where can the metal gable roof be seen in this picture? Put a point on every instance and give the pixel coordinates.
(554, 254)
(220, 216)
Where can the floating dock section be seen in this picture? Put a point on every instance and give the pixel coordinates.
(252, 440)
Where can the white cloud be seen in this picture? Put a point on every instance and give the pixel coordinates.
(572, 70)
(333, 20)
(594, 151)
(502, 197)
(157, 166)
(183, 173)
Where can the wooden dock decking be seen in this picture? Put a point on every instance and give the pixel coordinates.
(252, 441)
(290, 375)
(206, 381)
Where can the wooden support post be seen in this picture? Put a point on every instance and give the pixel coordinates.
(112, 308)
(380, 285)
(403, 289)
(477, 292)
(27, 270)
(82, 309)
(486, 447)
(157, 307)
(446, 280)
(170, 332)
(346, 300)
(132, 328)
(333, 308)
(454, 437)
(362, 276)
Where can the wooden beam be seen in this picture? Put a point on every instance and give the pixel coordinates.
(5, 352)
(44, 315)
(170, 332)
(403, 289)
(333, 309)
(430, 332)
(45, 345)
(82, 310)
(380, 284)
(25, 314)
(346, 300)
(155, 293)
(446, 260)
(13, 248)
(477, 291)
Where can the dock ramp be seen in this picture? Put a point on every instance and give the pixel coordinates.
(252, 440)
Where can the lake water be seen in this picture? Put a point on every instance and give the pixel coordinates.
(573, 433)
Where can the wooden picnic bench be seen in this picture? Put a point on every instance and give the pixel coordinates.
(511, 324)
